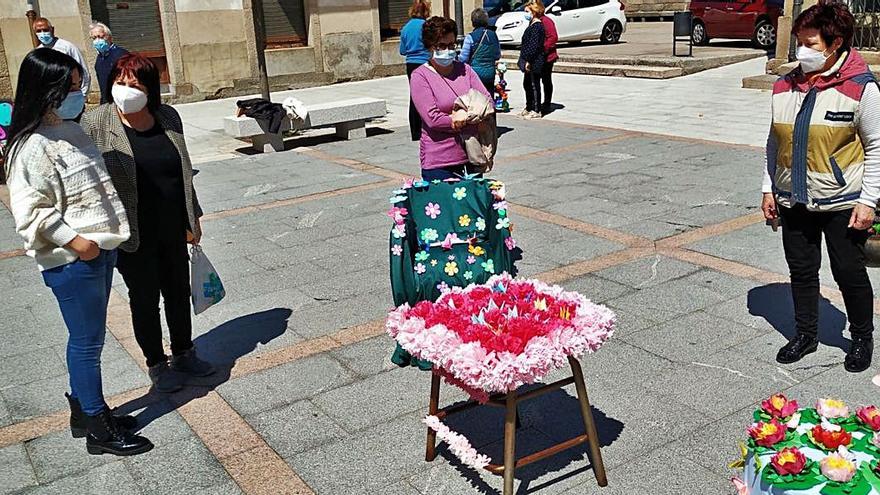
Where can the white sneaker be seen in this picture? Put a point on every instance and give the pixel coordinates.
(524, 113)
(532, 116)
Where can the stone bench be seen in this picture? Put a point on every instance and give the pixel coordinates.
(349, 117)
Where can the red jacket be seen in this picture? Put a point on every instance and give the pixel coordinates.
(550, 39)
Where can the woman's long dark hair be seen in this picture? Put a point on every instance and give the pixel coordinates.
(43, 82)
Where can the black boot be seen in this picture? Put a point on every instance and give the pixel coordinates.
(797, 348)
(78, 419)
(858, 358)
(106, 436)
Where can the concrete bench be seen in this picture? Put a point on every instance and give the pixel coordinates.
(348, 116)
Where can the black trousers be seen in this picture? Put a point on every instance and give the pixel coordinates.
(547, 82)
(532, 89)
(159, 266)
(415, 120)
(802, 232)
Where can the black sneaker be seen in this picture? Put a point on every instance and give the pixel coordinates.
(858, 358)
(105, 436)
(78, 419)
(797, 348)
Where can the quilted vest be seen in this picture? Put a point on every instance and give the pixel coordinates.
(820, 158)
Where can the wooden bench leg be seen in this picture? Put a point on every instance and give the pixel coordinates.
(589, 423)
(267, 143)
(356, 129)
(433, 407)
(510, 443)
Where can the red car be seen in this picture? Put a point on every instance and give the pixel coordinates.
(739, 19)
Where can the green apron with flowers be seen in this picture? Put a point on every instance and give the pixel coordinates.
(447, 234)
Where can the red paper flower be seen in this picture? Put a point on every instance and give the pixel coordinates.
(778, 406)
(789, 460)
(831, 440)
(870, 416)
(767, 434)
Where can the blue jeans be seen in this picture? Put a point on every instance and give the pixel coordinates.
(83, 290)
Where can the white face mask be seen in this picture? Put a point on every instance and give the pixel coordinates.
(129, 100)
(811, 60)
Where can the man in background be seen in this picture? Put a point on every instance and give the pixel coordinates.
(108, 54)
(45, 33)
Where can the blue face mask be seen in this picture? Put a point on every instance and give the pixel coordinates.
(444, 58)
(101, 45)
(528, 17)
(71, 106)
(45, 37)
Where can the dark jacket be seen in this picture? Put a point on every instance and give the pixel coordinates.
(532, 49)
(104, 127)
(103, 65)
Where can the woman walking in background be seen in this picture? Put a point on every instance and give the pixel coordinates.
(481, 49)
(531, 60)
(72, 220)
(550, 57)
(143, 145)
(416, 54)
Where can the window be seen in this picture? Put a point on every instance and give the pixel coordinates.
(285, 22)
(393, 14)
(586, 4)
(566, 4)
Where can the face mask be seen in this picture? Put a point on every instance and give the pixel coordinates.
(528, 17)
(71, 106)
(811, 60)
(101, 45)
(444, 58)
(129, 100)
(45, 37)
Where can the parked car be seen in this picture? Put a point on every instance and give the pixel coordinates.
(576, 20)
(737, 19)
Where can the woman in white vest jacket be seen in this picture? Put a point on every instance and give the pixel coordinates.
(823, 176)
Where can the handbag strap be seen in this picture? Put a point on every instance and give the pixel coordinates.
(479, 44)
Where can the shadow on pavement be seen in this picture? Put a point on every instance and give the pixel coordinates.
(554, 417)
(222, 347)
(773, 303)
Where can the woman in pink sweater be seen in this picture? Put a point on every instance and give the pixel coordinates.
(434, 87)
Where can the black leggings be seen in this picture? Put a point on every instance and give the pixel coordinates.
(547, 82)
(532, 88)
(415, 120)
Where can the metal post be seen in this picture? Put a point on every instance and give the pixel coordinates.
(31, 15)
(260, 40)
(792, 45)
(459, 19)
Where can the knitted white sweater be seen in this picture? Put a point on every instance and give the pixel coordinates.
(59, 188)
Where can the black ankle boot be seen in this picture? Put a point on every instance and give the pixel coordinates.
(78, 419)
(106, 436)
(858, 358)
(797, 348)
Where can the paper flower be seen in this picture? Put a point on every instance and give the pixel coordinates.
(464, 221)
(451, 268)
(408, 183)
(396, 250)
(481, 223)
(510, 243)
(875, 440)
(420, 268)
(429, 235)
(451, 238)
(458, 444)
(789, 460)
(476, 250)
(870, 417)
(503, 223)
(830, 436)
(767, 434)
(460, 193)
(832, 408)
(432, 210)
(500, 205)
(433, 262)
(471, 260)
(778, 406)
(468, 275)
(443, 287)
(399, 231)
(451, 257)
(422, 256)
(836, 467)
(794, 421)
(488, 266)
(397, 214)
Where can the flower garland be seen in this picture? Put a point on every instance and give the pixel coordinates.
(458, 444)
(500, 335)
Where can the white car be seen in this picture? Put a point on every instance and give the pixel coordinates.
(576, 20)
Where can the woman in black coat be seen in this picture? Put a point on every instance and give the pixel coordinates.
(531, 60)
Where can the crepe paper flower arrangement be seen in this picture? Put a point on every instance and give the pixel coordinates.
(869, 417)
(844, 476)
(790, 469)
(495, 337)
(767, 434)
(832, 409)
(829, 436)
(778, 406)
(458, 444)
(432, 210)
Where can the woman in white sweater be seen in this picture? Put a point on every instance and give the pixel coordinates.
(69, 214)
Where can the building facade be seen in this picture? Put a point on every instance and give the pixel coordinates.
(206, 48)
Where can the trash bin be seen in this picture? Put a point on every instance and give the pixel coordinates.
(682, 24)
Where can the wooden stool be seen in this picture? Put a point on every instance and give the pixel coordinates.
(509, 401)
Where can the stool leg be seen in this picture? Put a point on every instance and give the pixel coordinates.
(589, 423)
(433, 405)
(510, 443)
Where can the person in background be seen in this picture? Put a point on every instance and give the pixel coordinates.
(72, 220)
(531, 60)
(434, 88)
(45, 33)
(550, 57)
(108, 54)
(416, 54)
(481, 49)
(143, 146)
(823, 176)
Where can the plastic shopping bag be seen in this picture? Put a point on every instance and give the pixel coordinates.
(207, 289)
